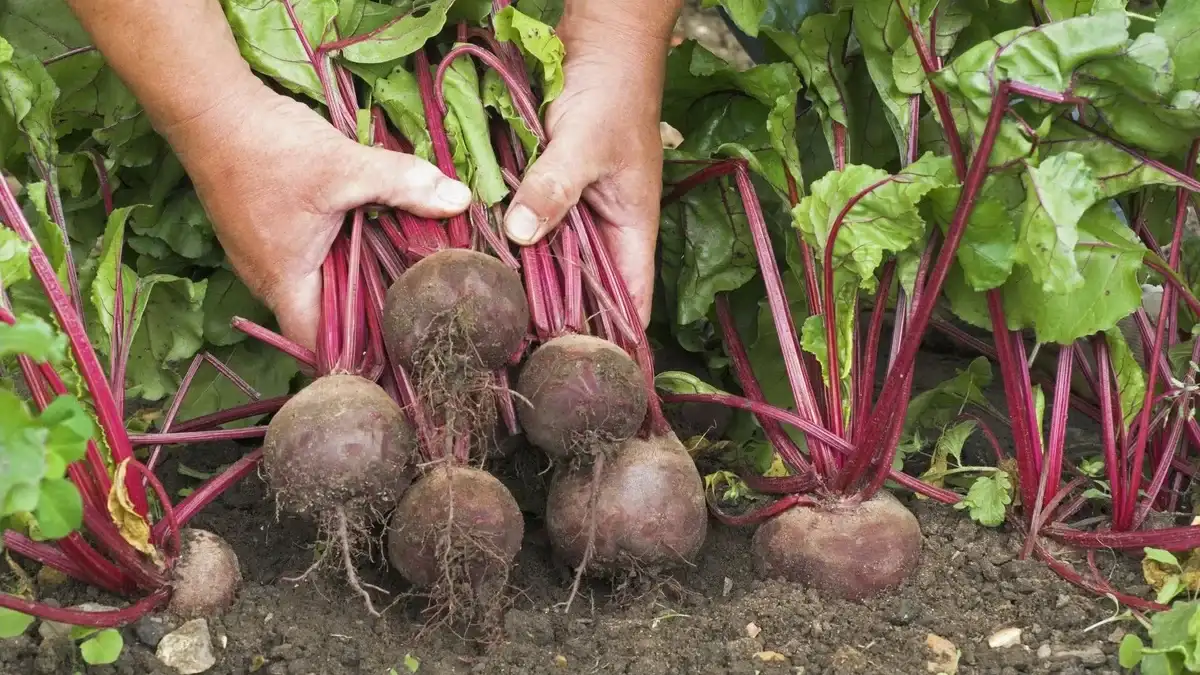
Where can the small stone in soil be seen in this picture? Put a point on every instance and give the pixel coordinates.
(906, 611)
(1005, 637)
(1088, 656)
(188, 649)
(150, 630)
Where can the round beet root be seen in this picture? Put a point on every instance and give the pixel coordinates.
(853, 551)
(456, 302)
(341, 441)
(454, 523)
(648, 511)
(206, 578)
(577, 391)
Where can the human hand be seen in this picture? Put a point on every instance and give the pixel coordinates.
(604, 146)
(277, 180)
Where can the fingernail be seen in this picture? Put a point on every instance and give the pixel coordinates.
(521, 224)
(453, 194)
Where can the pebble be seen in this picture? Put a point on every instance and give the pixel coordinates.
(945, 655)
(188, 649)
(1088, 656)
(150, 630)
(1005, 637)
(1044, 652)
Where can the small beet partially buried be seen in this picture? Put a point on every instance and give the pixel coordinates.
(456, 303)
(579, 391)
(853, 551)
(648, 511)
(455, 525)
(340, 442)
(206, 579)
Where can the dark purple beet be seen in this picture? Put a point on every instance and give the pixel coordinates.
(577, 390)
(342, 441)
(459, 303)
(649, 512)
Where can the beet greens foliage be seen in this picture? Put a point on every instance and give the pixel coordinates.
(1013, 176)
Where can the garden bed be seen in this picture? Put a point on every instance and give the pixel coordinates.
(718, 619)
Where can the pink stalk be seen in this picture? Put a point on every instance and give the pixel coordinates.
(272, 339)
(186, 437)
(75, 617)
(209, 491)
(767, 512)
(435, 113)
(53, 557)
(244, 411)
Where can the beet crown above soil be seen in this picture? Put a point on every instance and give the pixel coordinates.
(852, 550)
(649, 510)
(206, 580)
(579, 390)
(340, 441)
(459, 303)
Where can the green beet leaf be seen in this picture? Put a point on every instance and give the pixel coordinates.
(818, 51)
(538, 43)
(33, 337)
(13, 623)
(264, 368)
(401, 35)
(471, 138)
(227, 297)
(400, 97)
(987, 499)
(1179, 26)
(1060, 191)
(102, 648)
(268, 39)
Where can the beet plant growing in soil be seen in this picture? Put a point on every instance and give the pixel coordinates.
(1022, 169)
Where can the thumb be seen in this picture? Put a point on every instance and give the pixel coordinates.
(551, 186)
(372, 175)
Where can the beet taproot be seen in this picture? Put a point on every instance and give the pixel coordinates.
(206, 578)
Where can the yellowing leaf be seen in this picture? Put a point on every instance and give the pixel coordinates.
(133, 528)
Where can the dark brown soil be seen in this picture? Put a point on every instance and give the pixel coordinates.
(967, 586)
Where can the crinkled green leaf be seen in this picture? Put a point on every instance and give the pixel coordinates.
(1116, 170)
(168, 328)
(680, 382)
(988, 249)
(813, 340)
(885, 220)
(546, 11)
(695, 74)
(1142, 69)
(1045, 57)
(400, 97)
(1059, 191)
(465, 103)
(1167, 128)
(1131, 381)
(881, 32)
(269, 41)
(267, 370)
(497, 97)
(818, 50)
(937, 407)
(99, 281)
(13, 623)
(987, 499)
(182, 224)
(706, 250)
(949, 447)
(27, 96)
(32, 337)
(538, 43)
(48, 234)
(1108, 257)
(226, 298)
(1179, 26)
(402, 36)
(14, 258)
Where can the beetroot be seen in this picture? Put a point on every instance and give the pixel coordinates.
(455, 307)
(579, 392)
(206, 579)
(642, 507)
(341, 441)
(852, 550)
(340, 449)
(455, 534)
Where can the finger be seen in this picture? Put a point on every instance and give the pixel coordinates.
(551, 186)
(371, 175)
(632, 250)
(297, 308)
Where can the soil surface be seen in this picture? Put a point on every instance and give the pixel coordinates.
(715, 618)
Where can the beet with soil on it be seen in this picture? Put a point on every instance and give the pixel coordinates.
(578, 393)
(206, 578)
(851, 549)
(639, 507)
(455, 304)
(340, 442)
